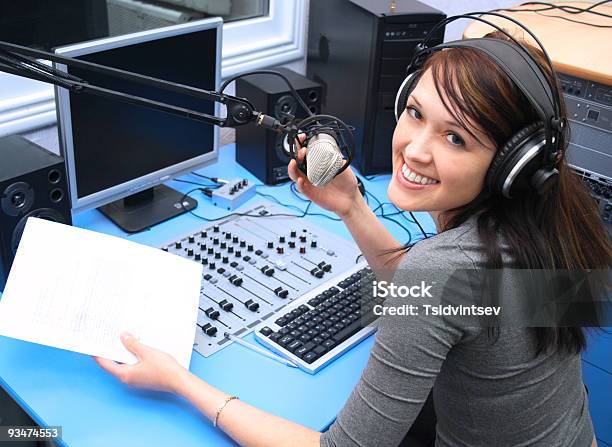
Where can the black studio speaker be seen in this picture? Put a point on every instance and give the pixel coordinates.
(32, 184)
(262, 151)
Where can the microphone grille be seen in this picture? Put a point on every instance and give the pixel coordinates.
(323, 160)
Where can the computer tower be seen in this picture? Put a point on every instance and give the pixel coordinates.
(359, 51)
(262, 151)
(32, 184)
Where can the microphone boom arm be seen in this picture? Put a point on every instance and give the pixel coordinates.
(22, 61)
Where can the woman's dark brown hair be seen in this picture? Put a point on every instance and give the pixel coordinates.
(560, 229)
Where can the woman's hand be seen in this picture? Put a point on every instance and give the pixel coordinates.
(155, 369)
(340, 196)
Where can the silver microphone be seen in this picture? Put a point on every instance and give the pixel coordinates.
(323, 159)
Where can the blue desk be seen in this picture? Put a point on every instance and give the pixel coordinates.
(63, 388)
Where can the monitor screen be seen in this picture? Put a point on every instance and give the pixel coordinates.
(114, 149)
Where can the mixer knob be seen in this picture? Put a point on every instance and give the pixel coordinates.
(226, 305)
(251, 305)
(209, 329)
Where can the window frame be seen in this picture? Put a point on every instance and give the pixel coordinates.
(280, 38)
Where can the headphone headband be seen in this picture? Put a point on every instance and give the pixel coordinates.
(520, 65)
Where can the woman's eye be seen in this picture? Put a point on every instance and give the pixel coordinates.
(455, 139)
(414, 113)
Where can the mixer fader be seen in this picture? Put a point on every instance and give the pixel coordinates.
(254, 266)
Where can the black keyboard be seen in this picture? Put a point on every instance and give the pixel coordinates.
(325, 323)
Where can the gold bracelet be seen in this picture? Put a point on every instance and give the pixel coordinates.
(220, 409)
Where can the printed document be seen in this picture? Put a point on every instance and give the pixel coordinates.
(78, 290)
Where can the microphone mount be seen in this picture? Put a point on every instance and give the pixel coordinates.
(23, 61)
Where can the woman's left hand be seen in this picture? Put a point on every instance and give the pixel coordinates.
(155, 369)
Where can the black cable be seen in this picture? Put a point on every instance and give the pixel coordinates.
(573, 9)
(374, 176)
(566, 8)
(207, 219)
(272, 72)
(196, 183)
(419, 225)
(212, 179)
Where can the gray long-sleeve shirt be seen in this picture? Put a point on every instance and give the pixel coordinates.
(485, 394)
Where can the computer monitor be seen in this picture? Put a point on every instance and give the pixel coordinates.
(118, 155)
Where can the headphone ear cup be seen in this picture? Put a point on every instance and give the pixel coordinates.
(516, 161)
(404, 92)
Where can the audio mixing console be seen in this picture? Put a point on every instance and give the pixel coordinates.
(256, 265)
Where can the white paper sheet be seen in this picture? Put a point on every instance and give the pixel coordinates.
(78, 290)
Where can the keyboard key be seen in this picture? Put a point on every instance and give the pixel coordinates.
(345, 333)
(275, 336)
(285, 340)
(305, 338)
(318, 339)
(319, 350)
(301, 351)
(294, 345)
(282, 321)
(266, 331)
(310, 357)
(328, 344)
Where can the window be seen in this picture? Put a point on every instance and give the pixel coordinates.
(257, 33)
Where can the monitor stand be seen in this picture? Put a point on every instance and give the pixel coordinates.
(147, 208)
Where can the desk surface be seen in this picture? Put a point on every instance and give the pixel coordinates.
(64, 388)
(575, 49)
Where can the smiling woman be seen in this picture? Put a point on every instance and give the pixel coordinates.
(437, 164)
(493, 385)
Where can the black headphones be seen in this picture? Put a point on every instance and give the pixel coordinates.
(527, 160)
